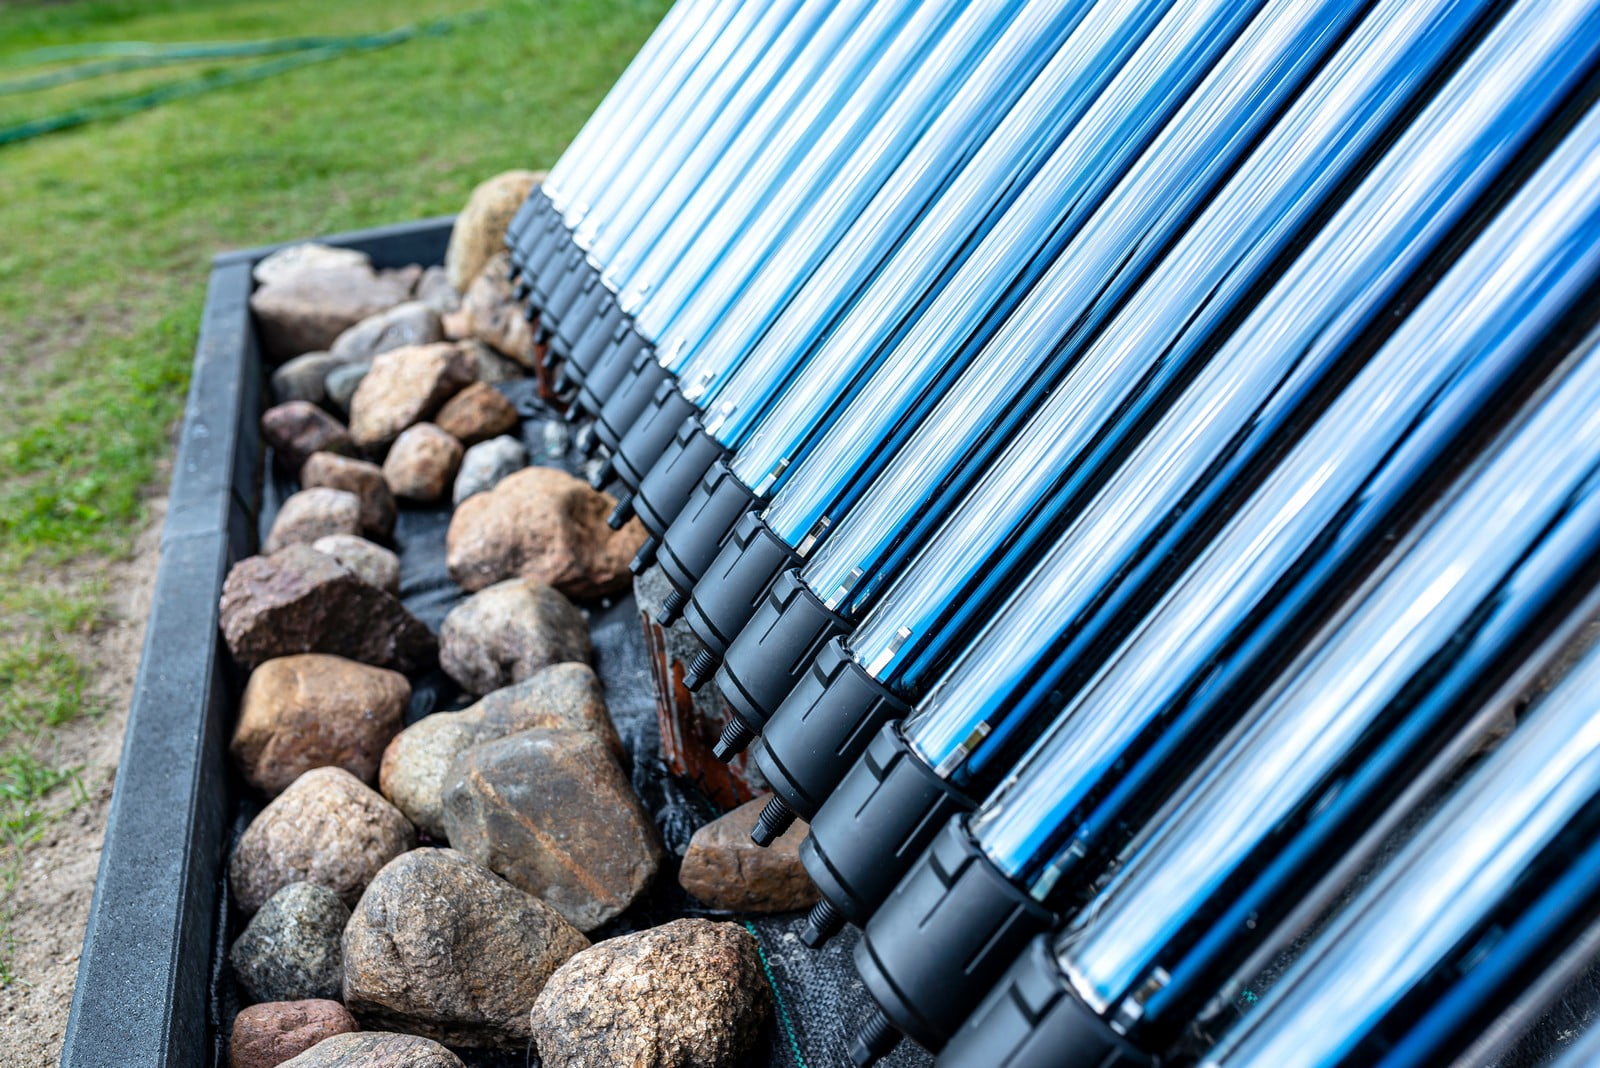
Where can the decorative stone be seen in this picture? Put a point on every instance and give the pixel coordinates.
(726, 870)
(687, 994)
(417, 763)
(304, 309)
(361, 477)
(327, 828)
(376, 1049)
(411, 323)
(439, 946)
(311, 514)
(313, 711)
(486, 463)
(299, 428)
(342, 382)
(479, 232)
(307, 256)
(265, 1036)
(493, 367)
(406, 386)
(298, 600)
(507, 632)
(434, 290)
(305, 378)
(545, 525)
(491, 313)
(476, 414)
(373, 564)
(290, 951)
(552, 812)
(422, 463)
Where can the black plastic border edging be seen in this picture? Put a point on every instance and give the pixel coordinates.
(142, 986)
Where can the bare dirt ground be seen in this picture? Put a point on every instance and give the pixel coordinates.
(51, 903)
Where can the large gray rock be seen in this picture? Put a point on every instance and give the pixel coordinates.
(316, 711)
(545, 525)
(327, 828)
(687, 994)
(507, 632)
(417, 764)
(440, 946)
(305, 378)
(290, 260)
(411, 323)
(304, 308)
(311, 514)
(404, 387)
(486, 463)
(434, 290)
(553, 813)
(376, 1049)
(343, 381)
(298, 600)
(290, 951)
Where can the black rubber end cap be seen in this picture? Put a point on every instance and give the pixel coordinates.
(875, 1040)
(879, 819)
(670, 483)
(776, 818)
(735, 738)
(705, 524)
(822, 923)
(944, 938)
(602, 474)
(650, 435)
(622, 353)
(628, 400)
(597, 338)
(1032, 1019)
(727, 595)
(772, 652)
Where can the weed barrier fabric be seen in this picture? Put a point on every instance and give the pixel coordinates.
(818, 1000)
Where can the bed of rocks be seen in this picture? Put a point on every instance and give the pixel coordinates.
(444, 854)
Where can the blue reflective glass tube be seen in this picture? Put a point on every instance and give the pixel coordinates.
(1401, 976)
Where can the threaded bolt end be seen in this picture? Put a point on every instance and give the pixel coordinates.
(776, 818)
(701, 668)
(672, 608)
(822, 923)
(735, 736)
(621, 513)
(874, 1040)
(645, 556)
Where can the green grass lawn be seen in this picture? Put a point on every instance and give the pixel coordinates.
(106, 232)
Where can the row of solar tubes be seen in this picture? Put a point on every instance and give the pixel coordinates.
(1128, 463)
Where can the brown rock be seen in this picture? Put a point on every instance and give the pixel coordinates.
(376, 1049)
(406, 386)
(313, 711)
(266, 1035)
(299, 428)
(327, 828)
(490, 312)
(726, 870)
(411, 323)
(477, 413)
(306, 308)
(480, 230)
(545, 525)
(422, 463)
(552, 812)
(493, 367)
(311, 514)
(687, 994)
(360, 477)
(417, 763)
(439, 946)
(373, 564)
(505, 633)
(301, 601)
